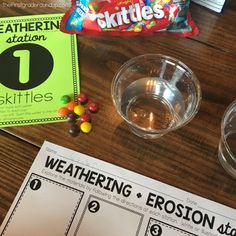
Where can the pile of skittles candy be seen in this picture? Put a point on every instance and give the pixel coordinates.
(78, 114)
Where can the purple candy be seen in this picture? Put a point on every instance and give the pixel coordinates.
(74, 130)
(72, 117)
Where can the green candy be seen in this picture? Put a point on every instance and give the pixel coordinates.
(65, 99)
(153, 23)
(96, 8)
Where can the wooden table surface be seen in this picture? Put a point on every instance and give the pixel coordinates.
(186, 158)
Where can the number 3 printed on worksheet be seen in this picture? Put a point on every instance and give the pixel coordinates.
(159, 228)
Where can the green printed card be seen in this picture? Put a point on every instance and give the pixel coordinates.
(38, 65)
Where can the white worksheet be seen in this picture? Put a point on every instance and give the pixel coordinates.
(69, 193)
(215, 5)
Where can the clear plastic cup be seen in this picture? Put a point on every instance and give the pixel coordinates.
(155, 94)
(227, 145)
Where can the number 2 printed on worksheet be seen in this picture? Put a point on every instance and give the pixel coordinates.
(102, 218)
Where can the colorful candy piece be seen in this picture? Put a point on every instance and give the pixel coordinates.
(82, 98)
(93, 107)
(74, 130)
(152, 23)
(72, 111)
(71, 105)
(137, 29)
(86, 127)
(65, 99)
(63, 112)
(72, 117)
(94, 8)
(85, 117)
(79, 110)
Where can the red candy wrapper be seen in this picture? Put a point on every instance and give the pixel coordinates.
(129, 17)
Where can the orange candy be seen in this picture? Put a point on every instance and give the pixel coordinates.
(63, 111)
(71, 105)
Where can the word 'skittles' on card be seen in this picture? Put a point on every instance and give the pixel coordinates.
(97, 219)
(43, 209)
(158, 228)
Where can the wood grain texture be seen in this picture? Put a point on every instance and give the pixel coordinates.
(186, 158)
(216, 30)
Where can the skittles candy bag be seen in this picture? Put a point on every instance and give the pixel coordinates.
(129, 17)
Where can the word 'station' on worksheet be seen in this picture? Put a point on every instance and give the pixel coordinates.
(69, 193)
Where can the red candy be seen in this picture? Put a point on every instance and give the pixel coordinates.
(115, 17)
(93, 107)
(82, 98)
(85, 118)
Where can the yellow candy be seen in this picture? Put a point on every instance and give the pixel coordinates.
(79, 110)
(137, 29)
(86, 127)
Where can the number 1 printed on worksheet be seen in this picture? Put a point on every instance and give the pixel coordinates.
(43, 209)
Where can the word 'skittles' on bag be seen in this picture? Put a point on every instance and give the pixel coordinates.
(129, 17)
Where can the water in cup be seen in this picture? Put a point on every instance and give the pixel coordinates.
(153, 103)
(155, 94)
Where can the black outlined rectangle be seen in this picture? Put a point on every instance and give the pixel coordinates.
(45, 207)
(101, 217)
(158, 228)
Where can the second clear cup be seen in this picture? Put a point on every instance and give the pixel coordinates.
(227, 146)
(155, 94)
